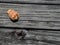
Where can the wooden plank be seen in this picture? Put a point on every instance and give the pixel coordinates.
(34, 1)
(32, 37)
(33, 16)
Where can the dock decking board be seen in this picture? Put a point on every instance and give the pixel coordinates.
(34, 1)
(33, 16)
(33, 37)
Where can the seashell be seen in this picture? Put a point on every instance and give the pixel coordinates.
(13, 15)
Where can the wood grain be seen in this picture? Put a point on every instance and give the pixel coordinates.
(33, 37)
(33, 16)
(34, 1)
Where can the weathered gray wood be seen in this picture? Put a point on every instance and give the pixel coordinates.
(35, 1)
(34, 37)
(33, 16)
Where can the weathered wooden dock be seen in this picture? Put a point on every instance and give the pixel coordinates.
(41, 18)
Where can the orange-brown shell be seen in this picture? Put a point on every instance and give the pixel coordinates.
(13, 14)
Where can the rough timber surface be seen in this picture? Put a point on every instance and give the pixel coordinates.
(37, 37)
(34, 1)
(31, 16)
